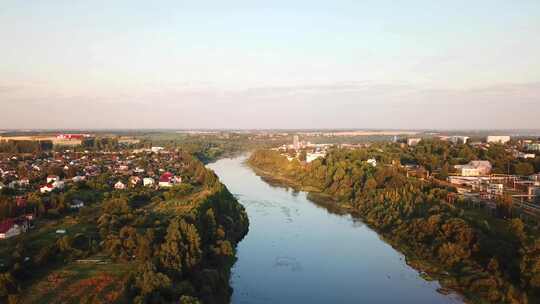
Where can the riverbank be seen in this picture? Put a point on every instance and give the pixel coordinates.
(426, 269)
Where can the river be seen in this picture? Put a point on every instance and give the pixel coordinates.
(298, 252)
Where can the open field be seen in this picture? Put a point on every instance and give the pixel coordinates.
(53, 138)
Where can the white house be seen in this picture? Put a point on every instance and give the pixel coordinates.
(119, 186)
(372, 161)
(58, 184)
(148, 181)
(76, 204)
(46, 188)
(413, 141)
(78, 178)
(52, 178)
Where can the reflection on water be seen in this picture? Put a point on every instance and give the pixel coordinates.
(297, 251)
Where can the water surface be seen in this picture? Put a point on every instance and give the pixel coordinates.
(298, 252)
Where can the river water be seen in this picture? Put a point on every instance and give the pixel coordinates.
(298, 252)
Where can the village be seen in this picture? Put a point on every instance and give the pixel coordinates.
(30, 184)
(474, 181)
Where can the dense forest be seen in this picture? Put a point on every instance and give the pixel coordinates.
(136, 245)
(483, 257)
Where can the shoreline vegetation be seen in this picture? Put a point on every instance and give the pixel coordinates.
(135, 245)
(437, 239)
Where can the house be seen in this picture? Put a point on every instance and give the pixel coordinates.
(313, 156)
(165, 181)
(413, 141)
(134, 180)
(10, 228)
(119, 186)
(46, 188)
(459, 139)
(498, 139)
(76, 204)
(156, 149)
(58, 184)
(372, 161)
(475, 168)
(532, 147)
(148, 182)
(525, 155)
(79, 178)
(52, 178)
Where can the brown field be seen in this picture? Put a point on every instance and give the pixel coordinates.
(56, 141)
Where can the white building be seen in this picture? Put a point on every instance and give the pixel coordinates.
(46, 189)
(475, 168)
(532, 147)
(413, 141)
(52, 178)
(313, 156)
(372, 161)
(76, 204)
(459, 139)
(498, 139)
(148, 181)
(157, 149)
(119, 186)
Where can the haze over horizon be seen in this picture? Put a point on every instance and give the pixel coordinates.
(254, 65)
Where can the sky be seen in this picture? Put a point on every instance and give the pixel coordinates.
(270, 64)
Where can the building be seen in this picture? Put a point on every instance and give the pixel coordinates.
(413, 141)
(296, 142)
(148, 181)
(135, 180)
(119, 186)
(52, 179)
(165, 180)
(156, 149)
(46, 188)
(313, 156)
(459, 139)
(10, 227)
(475, 168)
(503, 139)
(372, 161)
(532, 147)
(76, 204)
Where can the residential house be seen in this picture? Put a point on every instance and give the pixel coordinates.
(372, 161)
(76, 204)
(46, 188)
(148, 182)
(52, 179)
(413, 141)
(119, 186)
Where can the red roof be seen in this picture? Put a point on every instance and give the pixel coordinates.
(6, 225)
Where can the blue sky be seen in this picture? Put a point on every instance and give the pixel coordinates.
(270, 64)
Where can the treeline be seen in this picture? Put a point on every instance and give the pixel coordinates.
(485, 258)
(25, 146)
(439, 155)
